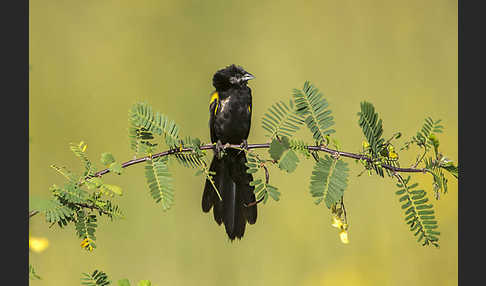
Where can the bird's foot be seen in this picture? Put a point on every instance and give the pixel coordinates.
(244, 145)
(219, 149)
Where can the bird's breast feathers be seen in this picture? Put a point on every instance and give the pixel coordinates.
(224, 103)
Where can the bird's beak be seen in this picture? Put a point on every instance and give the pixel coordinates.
(247, 77)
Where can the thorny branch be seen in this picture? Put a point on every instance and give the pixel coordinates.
(255, 146)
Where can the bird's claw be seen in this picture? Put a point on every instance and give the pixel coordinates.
(218, 149)
(244, 145)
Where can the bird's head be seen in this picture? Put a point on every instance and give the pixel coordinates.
(231, 76)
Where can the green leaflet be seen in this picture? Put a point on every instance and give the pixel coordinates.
(79, 151)
(429, 128)
(71, 192)
(32, 274)
(85, 228)
(372, 127)
(144, 283)
(300, 146)
(425, 137)
(126, 282)
(262, 189)
(190, 159)
(280, 151)
(41, 204)
(159, 181)
(140, 139)
(143, 118)
(329, 180)
(312, 107)
(53, 210)
(447, 164)
(440, 181)
(106, 189)
(97, 278)
(116, 168)
(107, 158)
(453, 170)
(66, 173)
(289, 161)
(281, 120)
(418, 215)
(278, 147)
(111, 210)
(112, 189)
(272, 191)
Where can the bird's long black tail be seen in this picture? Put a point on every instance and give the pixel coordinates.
(232, 182)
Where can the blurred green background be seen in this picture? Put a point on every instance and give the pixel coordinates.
(91, 60)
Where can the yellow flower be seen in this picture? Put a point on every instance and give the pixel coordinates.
(391, 152)
(86, 244)
(336, 222)
(343, 235)
(365, 144)
(38, 244)
(83, 148)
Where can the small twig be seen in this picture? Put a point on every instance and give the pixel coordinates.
(391, 138)
(33, 213)
(208, 176)
(267, 174)
(421, 158)
(400, 179)
(344, 210)
(253, 203)
(262, 164)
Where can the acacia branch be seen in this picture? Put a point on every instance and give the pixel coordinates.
(264, 146)
(255, 146)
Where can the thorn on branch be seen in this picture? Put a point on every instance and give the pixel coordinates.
(335, 155)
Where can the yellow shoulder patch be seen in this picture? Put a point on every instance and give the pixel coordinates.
(249, 108)
(215, 97)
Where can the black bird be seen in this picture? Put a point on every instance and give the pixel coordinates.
(229, 123)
